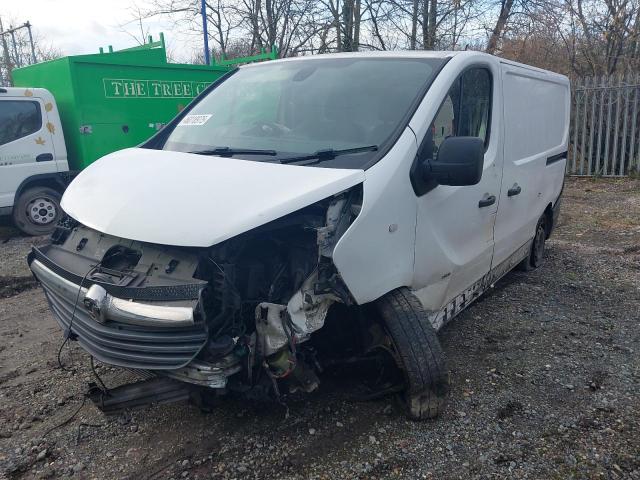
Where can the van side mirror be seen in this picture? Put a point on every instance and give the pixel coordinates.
(459, 162)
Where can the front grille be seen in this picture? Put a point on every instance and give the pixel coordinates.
(132, 346)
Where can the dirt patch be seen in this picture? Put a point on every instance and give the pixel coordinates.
(509, 409)
(603, 212)
(545, 379)
(10, 286)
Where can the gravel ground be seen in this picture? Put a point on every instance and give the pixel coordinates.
(545, 379)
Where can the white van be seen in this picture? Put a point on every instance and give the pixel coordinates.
(311, 212)
(33, 159)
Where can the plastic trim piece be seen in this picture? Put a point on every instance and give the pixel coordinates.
(189, 291)
(556, 158)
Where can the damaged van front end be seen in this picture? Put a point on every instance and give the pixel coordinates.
(235, 315)
(266, 234)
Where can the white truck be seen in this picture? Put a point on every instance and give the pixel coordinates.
(33, 159)
(344, 217)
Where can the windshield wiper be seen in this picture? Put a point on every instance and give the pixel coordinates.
(329, 154)
(229, 152)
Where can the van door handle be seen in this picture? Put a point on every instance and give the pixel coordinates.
(485, 202)
(513, 191)
(44, 157)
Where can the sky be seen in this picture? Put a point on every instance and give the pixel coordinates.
(83, 26)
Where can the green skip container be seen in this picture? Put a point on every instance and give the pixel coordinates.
(117, 99)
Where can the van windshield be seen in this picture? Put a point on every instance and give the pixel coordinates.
(288, 110)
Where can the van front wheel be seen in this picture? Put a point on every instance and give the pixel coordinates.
(37, 210)
(417, 351)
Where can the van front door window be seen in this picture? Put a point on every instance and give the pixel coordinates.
(465, 111)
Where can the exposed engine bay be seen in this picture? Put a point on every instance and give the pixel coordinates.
(234, 316)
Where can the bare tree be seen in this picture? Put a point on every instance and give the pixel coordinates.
(577, 36)
(140, 33)
(609, 33)
(15, 51)
(501, 22)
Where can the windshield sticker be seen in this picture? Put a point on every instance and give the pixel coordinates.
(190, 120)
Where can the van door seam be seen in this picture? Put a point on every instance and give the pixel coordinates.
(415, 219)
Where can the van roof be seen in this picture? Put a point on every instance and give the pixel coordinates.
(402, 54)
(377, 54)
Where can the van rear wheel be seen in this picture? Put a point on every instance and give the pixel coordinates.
(37, 210)
(417, 352)
(535, 258)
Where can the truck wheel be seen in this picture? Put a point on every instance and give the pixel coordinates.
(37, 210)
(536, 254)
(417, 352)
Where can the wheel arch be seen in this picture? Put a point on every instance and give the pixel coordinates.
(56, 181)
(548, 226)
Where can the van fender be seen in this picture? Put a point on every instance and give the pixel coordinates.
(376, 254)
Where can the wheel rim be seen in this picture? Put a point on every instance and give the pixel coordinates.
(538, 246)
(388, 351)
(42, 211)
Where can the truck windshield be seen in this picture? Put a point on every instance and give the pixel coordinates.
(299, 107)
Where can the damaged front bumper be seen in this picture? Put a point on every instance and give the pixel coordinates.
(104, 307)
(118, 331)
(244, 308)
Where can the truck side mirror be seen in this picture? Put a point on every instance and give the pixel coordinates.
(459, 162)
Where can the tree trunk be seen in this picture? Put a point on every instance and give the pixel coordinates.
(425, 24)
(356, 25)
(496, 34)
(636, 32)
(433, 14)
(335, 10)
(271, 27)
(456, 6)
(221, 36)
(257, 38)
(7, 58)
(414, 25)
(347, 25)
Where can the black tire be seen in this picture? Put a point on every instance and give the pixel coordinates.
(37, 211)
(535, 258)
(418, 352)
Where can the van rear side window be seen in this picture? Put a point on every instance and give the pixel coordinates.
(19, 118)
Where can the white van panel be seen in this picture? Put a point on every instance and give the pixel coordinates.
(536, 129)
(536, 113)
(376, 253)
(454, 237)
